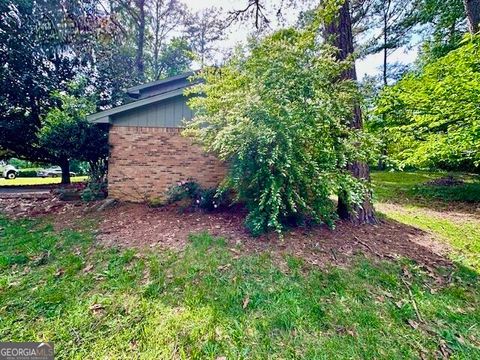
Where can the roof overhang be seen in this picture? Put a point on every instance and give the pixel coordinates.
(105, 117)
(135, 90)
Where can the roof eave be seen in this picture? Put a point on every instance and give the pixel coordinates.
(135, 90)
(101, 120)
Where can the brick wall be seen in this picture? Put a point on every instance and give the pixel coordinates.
(144, 162)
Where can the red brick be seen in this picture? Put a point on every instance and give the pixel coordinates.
(145, 162)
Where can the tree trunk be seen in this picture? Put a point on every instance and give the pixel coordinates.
(156, 42)
(339, 33)
(139, 62)
(385, 43)
(472, 8)
(65, 166)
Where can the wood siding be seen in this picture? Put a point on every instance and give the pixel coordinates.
(168, 113)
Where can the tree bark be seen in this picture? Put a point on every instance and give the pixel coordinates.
(139, 61)
(385, 43)
(472, 8)
(339, 33)
(65, 166)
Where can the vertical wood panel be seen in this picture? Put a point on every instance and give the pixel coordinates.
(169, 113)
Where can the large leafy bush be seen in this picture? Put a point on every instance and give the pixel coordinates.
(278, 116)
(431, 118)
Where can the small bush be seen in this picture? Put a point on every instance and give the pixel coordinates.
(156, 202)
(94, 191)
(198, 198)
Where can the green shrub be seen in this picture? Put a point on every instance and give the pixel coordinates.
(279, 117)
(208, 199)
(94, 191)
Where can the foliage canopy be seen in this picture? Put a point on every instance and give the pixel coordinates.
(67, 134)
(433, 117)
(279, 116)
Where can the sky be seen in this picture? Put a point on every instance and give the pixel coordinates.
(369, 65)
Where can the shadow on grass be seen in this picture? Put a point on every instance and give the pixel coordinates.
(413, 189)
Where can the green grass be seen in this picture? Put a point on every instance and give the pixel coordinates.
(207, 302)
(444, 211)
(204, 303)
(37, 181)
(410, 187)
(462, 236)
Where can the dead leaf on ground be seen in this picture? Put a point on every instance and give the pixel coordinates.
(342, 330)
(60, 272)
(246, 301)
(413, 324)
(406, 272)
(444, 349)
(88, 268)
(224, 267)
(97, 308)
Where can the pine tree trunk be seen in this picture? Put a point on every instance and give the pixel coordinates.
(139, 62)
(339, 33)
(65, 166)
(472, 8)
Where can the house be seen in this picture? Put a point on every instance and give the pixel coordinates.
(148, 154)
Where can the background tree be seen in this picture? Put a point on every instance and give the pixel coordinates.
(165, 17)
(440, 23)
(137, 10)
(175, 58)
(45, 45)
(34, 63)
(67, 134)
(432, 116)
(203, 30)
(388, 16)
(472, 8)
(338, 32)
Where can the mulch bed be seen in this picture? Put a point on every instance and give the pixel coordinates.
(141, 227)
(133, 225)
(34, 205)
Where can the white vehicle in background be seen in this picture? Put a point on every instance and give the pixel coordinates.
(54, 171)
(8, 171)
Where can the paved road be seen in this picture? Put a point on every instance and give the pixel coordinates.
(22, 190)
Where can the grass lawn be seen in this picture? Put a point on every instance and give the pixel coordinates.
(450, 213)
(410, 188)
(37, 181)
(209, 302)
